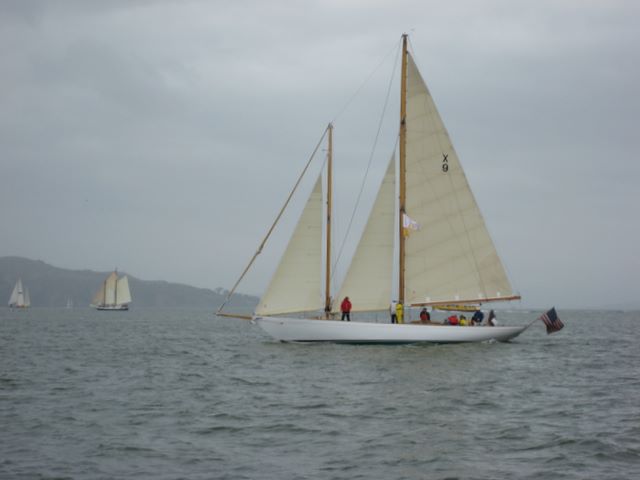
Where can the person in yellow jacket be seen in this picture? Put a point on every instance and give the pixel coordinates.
(399, 312)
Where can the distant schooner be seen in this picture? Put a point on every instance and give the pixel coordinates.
(114, 294)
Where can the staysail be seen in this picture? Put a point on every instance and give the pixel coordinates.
(296, 284)
(368, 280)
(451, 257)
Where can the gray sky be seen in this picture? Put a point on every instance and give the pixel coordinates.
(162, 137)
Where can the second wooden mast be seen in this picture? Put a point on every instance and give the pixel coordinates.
(402, 170)
(327, 287)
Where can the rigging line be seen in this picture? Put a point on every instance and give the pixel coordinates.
(359, 89)
(273, 225)
(366, 173)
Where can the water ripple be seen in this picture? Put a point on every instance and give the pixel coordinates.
(178, 394)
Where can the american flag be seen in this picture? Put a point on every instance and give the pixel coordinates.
(552, 321)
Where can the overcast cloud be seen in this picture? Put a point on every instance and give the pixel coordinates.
(161, 137)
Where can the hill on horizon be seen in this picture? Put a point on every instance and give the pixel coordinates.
(51, 286)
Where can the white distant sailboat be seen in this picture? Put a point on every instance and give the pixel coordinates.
(114, 294)
(445, 253)
(19, 296)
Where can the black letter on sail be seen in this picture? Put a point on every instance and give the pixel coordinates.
(445, 163)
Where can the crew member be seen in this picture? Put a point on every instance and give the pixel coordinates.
(345, 308)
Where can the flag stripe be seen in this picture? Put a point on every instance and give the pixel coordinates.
(551, 320)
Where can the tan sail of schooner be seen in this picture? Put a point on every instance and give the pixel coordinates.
(445, 253)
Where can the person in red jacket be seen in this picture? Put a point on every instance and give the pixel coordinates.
(345, 308)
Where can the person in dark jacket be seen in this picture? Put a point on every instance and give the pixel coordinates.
(345, 308)
(477, 318)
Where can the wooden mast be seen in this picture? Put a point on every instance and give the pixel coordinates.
(327, 288)
(402, 169)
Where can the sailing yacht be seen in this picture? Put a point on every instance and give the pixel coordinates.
(114, 294)
(424, 213)
(19, 296)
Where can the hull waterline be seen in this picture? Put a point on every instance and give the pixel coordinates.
(304, 330)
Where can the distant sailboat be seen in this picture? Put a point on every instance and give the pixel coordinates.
(19, 296)
(445, 255)
(114, 294)
(69, 302)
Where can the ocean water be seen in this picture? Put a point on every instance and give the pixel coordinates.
(181, 394)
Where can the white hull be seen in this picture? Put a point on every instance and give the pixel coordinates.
(305, 330)
(118, 308)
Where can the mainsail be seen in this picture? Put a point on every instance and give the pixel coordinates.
(110, 289)
(296, 285)
(16, 294)
(19, 296)
(451, 258)
(368, 280)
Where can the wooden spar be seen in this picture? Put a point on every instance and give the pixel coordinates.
(327, 287)
(475, 300)
(402, 169)
(233, 315)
